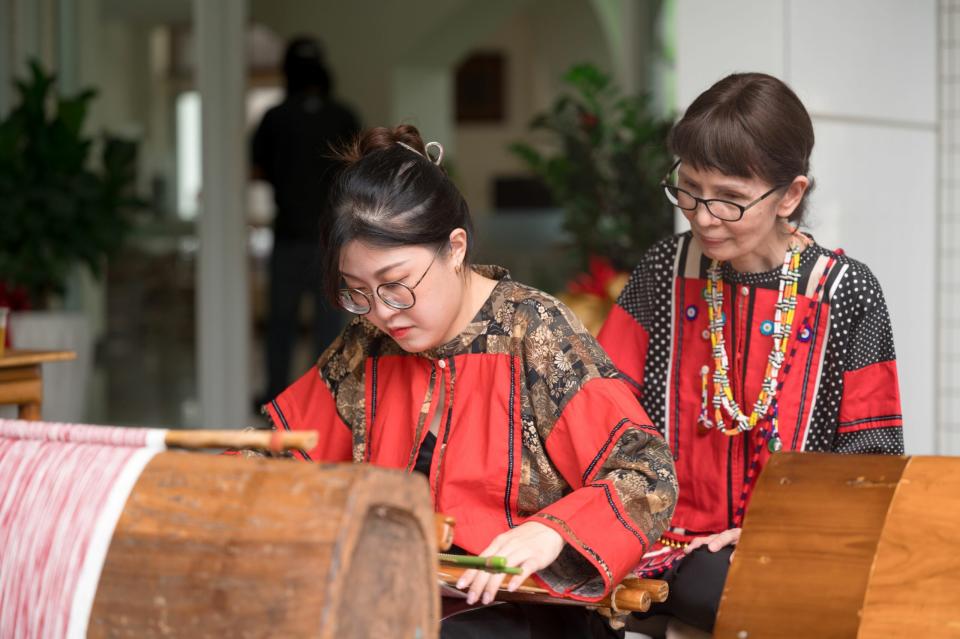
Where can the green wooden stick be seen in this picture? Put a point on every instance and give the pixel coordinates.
(489, 564)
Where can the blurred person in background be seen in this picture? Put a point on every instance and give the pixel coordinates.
(292, 151)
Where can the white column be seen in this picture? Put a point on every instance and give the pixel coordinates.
(6, 56)
(19, 41)
(631, 56)
(948, 232)
(26, 33)
(68, 49)
(630, 27)
(223, 306)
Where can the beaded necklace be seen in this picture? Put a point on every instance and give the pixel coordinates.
(723, 401)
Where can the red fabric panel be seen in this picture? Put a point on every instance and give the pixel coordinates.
(476, 477)
(626, 340)
(890, 422)
(402, 383)
(706, 500)
(308, 405)
(596, 518)
(579, 445)
(870, 393)
(581, 438)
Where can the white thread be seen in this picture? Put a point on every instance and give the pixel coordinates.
(92, 566)
(62, 490)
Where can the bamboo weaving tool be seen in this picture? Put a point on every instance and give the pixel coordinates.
(276, 441)
(632, 595)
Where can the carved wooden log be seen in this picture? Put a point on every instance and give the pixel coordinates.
(211, 546)
(443, 528)
(847, 546)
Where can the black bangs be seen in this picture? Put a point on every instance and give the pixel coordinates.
(718, 141)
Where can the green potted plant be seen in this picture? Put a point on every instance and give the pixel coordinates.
(607, 157)
(60, 208)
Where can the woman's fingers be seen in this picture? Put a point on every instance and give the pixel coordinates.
(492, 586)
(529, 567)
(719, 541)
(466, 579)
(696, 543)
(530, 546)
(516, 555)
(477, 586)
(724, 539)
(715, 542)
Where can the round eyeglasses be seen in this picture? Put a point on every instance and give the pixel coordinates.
(396, 295)
(721, 209)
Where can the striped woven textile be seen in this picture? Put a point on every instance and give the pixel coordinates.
(62, 489)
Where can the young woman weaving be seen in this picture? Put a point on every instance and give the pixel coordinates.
(490, 388)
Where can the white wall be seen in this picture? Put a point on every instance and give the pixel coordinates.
(539, 44)
(866, 70)
(363, 39)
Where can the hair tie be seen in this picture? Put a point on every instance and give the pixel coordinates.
(436, 160)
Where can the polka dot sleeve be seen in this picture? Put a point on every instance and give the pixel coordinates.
(647, 299)
(859, 394)
(861, 322)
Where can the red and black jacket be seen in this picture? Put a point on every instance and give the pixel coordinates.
(840, 391)
(535, 425)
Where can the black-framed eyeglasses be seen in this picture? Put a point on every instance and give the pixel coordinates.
(721, 209)
(396, 295)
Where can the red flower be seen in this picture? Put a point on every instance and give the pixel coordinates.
(595, 280)
(16, 299)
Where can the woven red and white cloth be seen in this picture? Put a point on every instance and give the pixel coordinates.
(62, 489)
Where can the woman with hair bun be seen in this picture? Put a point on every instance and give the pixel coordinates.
(743, 336)
(490, 388)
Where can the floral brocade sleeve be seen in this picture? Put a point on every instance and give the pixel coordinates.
(616, 486)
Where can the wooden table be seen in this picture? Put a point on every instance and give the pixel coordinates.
(21, 379)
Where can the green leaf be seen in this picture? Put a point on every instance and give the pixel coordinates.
(57, 209)
(610, 156)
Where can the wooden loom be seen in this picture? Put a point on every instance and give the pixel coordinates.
(848, 546)
(210, 545)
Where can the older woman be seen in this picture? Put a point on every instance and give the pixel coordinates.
(743, 336)
(492, 389)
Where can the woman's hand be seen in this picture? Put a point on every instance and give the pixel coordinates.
(715, 542)
(529, 546)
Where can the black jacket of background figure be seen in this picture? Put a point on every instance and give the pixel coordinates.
(291, 151)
